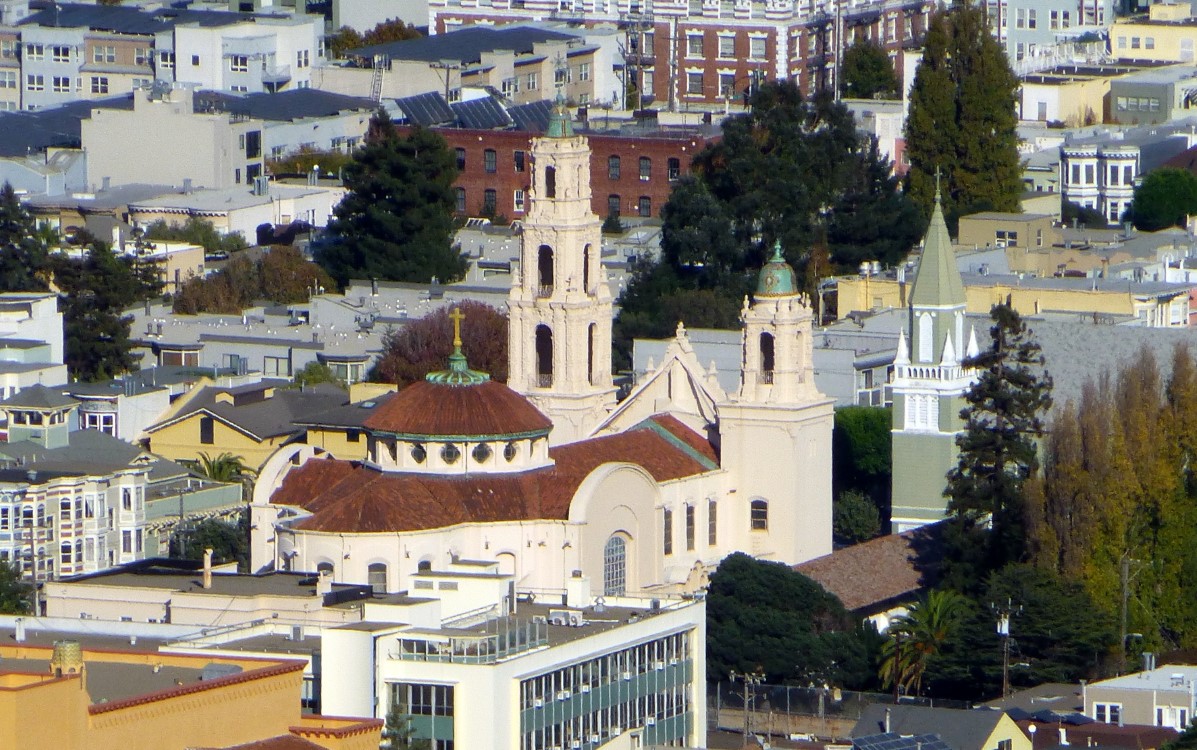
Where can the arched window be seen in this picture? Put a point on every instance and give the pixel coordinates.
(760, 515)
(544, 356)
(376, 576)
(324, 567)
(615, 566)
(544, 270)
(926, 336)
(550, 182)
(590, 354)
(424, 566)
(766, 357)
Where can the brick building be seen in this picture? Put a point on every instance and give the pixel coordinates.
(631, 174)
(705, 52)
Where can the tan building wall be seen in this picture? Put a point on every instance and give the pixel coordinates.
(992, 229)
(1073, 101)
(337, 442)
(876, 293)
(262, 701)
(1168, 34)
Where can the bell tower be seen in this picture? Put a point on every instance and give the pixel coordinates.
(775, 432)
(559, 334)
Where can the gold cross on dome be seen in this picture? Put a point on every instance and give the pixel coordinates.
(457, 316)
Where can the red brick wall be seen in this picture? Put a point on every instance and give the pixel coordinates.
(505, 180)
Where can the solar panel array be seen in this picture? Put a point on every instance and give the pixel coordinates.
(481, 114)
(893, 741)
(426, 109)
(532, 117)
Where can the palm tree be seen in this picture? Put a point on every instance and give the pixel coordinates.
(916, 637)
(227, 468)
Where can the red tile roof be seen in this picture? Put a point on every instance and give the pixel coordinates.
(434, 409)
(346, 497)
(282, 742)
(679, 430)
(874, 573)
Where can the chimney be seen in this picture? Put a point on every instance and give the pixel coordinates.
(1063, 736)
(20, 634)
(186, 184)
(324, 583)
(106, 183)
(208, 568)
(887, 717)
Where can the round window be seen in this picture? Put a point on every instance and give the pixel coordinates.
(481, 452)
(509, 452)
(418, 454)
(450, 453)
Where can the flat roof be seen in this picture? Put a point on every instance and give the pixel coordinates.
(1161, 678)
(113, 681)
(464, 45)
(301, 585)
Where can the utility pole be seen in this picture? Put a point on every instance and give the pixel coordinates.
(1124, 599)
(446, 66)
(1004, 612)
(748, 694)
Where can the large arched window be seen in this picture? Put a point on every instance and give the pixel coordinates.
(615, 566)
(376, 576)
(544, 356)
(760, 515)
(544, 270)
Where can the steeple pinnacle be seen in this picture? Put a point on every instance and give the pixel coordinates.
(459, 372)
(938, 282)
(560, 124)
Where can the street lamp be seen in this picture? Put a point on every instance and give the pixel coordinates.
(749, 682)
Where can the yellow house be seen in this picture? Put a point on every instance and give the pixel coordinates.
(250, 421)
(1073, 99)
(1010, 230)
(1167, 34)
(69, 697)
(340, 430)
(959, 729)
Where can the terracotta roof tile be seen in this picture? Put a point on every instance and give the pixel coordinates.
(871, 574)
(345, 496)
(432, 409)
(682, 432)
(282, 742)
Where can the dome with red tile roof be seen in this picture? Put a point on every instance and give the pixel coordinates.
(439, 411)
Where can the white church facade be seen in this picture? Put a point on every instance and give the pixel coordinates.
(547, 475)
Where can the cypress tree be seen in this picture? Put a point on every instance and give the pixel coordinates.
(396, 221)
(998, 448)
(962, 118)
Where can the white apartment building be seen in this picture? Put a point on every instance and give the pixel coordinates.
(31, 345)
(510, 673)
(1100, 177)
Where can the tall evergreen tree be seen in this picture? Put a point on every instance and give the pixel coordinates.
(962, 118)
(396, 221)
(23, 256)
(998, 448)
(867, 72)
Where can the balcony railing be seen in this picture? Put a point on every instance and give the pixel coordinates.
(544, 380)
(544, 290)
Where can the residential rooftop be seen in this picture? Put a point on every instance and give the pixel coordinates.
(465, 45)
(167, 575)
(134, 20)
(1167, 677)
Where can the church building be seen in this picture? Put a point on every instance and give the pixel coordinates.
(547, 475)
(929, 383)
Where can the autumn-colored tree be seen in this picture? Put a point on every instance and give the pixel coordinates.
(424, 345)
(285, 276)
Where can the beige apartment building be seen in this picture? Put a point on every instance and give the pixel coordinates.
(1009, 230)
(175, 145)
(1168, 33)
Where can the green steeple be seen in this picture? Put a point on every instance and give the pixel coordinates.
(459, 372)
(937, 283)
(776, 278)
(560, 124)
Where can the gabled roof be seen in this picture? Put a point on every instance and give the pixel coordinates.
(873, 575)
(960, 729)
(349, 497)
(937, 282)
(895, 741)
(255, 413)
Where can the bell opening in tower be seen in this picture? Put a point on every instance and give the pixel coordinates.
(544, 270)
(550, 182)
(544, 356)
(766, 358)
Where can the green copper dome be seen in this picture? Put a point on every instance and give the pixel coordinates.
(560, 124)
(777, 278)
(459, 372)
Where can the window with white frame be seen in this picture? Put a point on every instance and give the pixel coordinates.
(1107, 713)
(727, 47)
(8, 79)
(303, 58)
(62, 84)
(694, 83)
(142, 56)
(166, 59)
(533, 80)
(103, 421)
(99, 84)
(517, 201)
(756, 48)
(583, 71)
(694, 46)
(104, 53)
(61, 53)
(35, 52)
(239, 63)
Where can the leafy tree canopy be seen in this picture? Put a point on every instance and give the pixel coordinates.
(306, 159)
(315, 373)
(855, 518)
(764, 614)
(282, 275)
(228, 539)
(861, 454)
(868, 73)
(396, 222)
(16, 595)
(962, 118)
(1082, 215)
(424, 345)
(1166, 198)
(347, 39)
(197, 232)
(1058, 635)
(792, 171)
